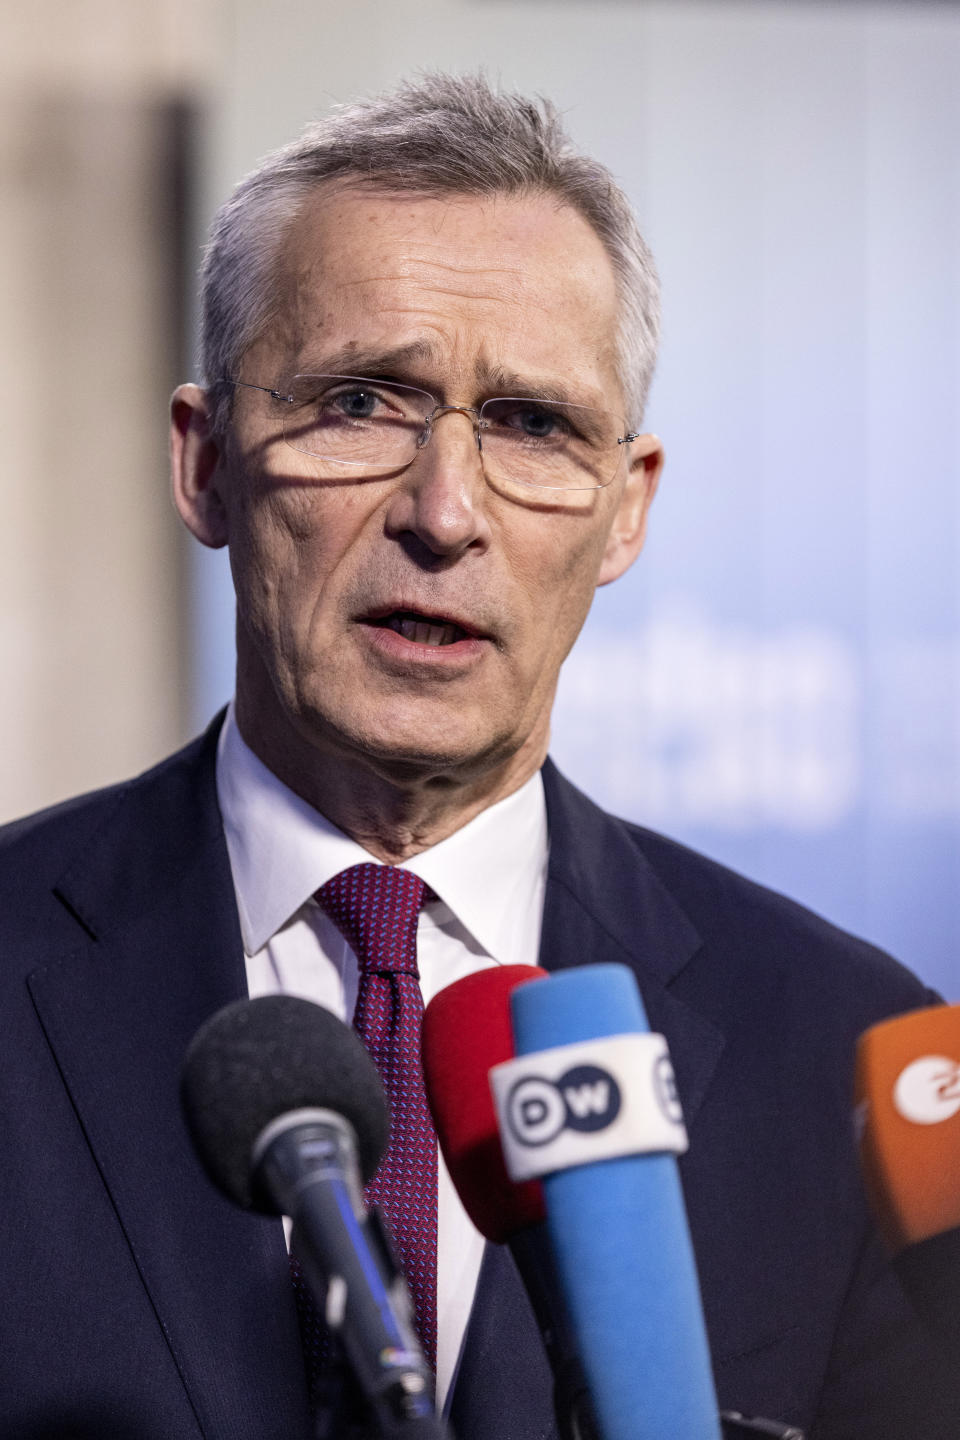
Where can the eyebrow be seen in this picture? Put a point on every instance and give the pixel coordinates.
(509, 382)
(369, 364)
(397, 363)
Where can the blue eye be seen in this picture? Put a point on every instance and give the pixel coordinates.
(357, 404)
(526, 420)
(537, 423)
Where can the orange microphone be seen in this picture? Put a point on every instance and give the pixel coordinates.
(908, 1116)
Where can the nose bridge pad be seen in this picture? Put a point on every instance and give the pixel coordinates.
(429, 420)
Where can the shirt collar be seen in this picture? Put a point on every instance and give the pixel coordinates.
(282, 850)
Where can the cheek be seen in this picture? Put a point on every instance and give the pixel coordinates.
(558, 578)
(275, 546)
(295, 551)
(260, 550)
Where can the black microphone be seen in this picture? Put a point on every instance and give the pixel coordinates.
(288, 1115)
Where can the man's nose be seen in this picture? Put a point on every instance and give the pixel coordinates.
(442, 496)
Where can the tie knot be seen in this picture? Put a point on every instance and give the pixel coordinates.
(376, 909)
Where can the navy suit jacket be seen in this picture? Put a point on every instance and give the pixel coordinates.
(136, 1302)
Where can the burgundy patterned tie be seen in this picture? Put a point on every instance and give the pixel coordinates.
(376, 908)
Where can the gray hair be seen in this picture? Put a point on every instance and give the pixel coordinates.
(441, 134)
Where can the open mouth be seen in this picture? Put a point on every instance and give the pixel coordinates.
(421, 629)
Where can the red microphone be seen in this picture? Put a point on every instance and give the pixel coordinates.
(467, 1029)
(908, 1111)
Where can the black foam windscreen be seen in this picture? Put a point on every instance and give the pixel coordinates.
(255, 1060)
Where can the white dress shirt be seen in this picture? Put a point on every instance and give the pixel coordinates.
(490, 878)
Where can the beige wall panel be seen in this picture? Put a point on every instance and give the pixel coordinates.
(90, 555)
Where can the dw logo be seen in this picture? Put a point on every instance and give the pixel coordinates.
(586, 1098)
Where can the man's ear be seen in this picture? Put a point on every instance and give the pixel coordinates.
(629, 528)
(196, 470)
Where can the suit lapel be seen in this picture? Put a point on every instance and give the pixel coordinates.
(162, 952)
(604, 904)
(504, 1387)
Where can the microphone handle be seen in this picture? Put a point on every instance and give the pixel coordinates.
(929, 1271)
(617, 1223)
(306, 1162)
(573, 1406)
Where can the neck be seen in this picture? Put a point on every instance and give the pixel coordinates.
(394, 810)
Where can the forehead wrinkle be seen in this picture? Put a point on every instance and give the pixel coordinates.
(472, 295)
(458, 267)
(428, 288)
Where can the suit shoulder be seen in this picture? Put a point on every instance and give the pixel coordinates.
(35, 849)
(58, 829)
(756, 927)
(749, 942)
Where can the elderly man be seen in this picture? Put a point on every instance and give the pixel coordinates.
(428, 332)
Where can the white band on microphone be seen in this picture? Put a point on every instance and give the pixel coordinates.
(592, 1100)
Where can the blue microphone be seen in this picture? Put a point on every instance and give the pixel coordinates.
(588, 1105)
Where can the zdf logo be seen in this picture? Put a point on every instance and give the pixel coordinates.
(585, 1098)
(928, 1090)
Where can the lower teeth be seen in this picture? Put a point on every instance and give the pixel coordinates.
(422, 632)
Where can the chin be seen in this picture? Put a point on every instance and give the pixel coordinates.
(432, 746)
(415, 758)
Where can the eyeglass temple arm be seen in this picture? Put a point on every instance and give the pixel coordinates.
(245, 384)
